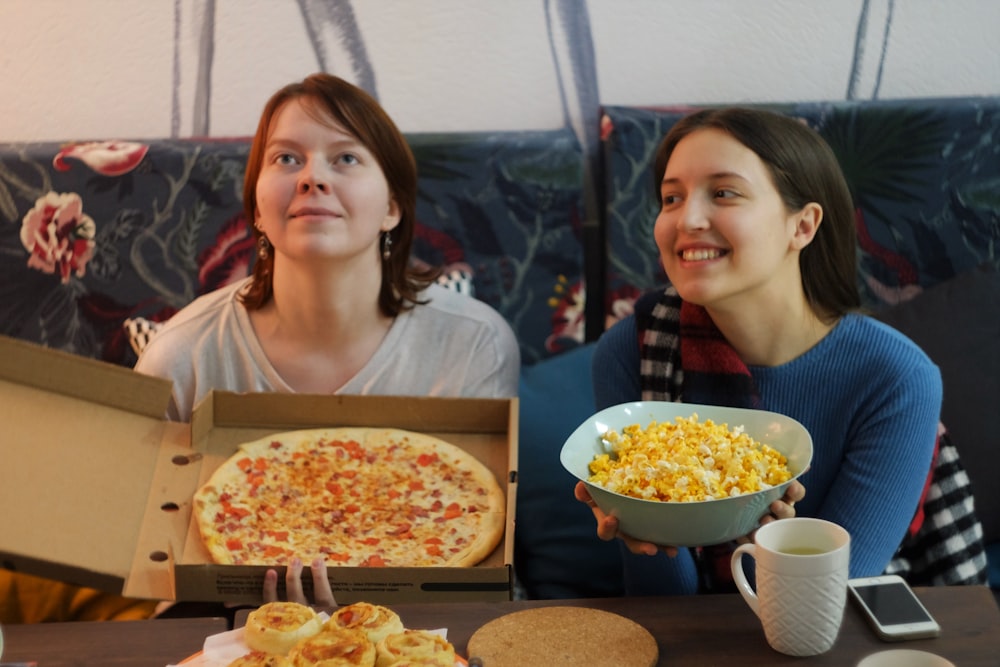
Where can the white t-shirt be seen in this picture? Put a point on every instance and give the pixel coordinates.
(452, 346)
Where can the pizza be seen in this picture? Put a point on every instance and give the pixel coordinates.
(362, 497)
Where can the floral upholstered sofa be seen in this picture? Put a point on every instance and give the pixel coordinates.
(100, 240)
(925, 176)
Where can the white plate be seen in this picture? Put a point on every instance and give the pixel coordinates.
(904, 657)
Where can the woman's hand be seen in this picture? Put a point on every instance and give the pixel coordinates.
(607, 527)
(783, 508)
(293, 584)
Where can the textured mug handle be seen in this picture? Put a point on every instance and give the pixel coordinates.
(740, 577)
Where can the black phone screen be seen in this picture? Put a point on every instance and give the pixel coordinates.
(892, 603)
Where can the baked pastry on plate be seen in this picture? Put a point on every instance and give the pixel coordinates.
(260, 659)
(334, 647)
(275, 627)
(377, 621)
(412, 644)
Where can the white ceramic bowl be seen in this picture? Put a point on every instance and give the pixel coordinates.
(687, 524)
(904, 657)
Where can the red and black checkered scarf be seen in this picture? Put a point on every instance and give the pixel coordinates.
(684, 356)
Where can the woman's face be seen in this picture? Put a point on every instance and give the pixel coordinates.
(723, 231)
(321, 194)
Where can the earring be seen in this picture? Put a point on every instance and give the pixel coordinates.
(263, 245)
(386, 246)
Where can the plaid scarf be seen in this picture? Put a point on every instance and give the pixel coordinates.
(684, 356)
(944, 545)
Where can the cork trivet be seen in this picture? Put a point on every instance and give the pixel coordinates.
(564, 636)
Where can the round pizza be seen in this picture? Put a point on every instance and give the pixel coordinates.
(363, 497)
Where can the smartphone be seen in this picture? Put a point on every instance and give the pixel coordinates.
(892, 608)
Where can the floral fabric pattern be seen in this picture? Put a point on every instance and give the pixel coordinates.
(58, 235)
(925, 176)
(96, 233)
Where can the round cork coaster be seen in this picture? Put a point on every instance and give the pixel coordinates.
(564, 636)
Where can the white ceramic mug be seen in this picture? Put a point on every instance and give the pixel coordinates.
(801, 583)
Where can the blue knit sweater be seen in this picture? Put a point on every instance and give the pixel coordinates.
(870, 398)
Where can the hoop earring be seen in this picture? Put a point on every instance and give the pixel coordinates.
(386, 246)
(263, 245)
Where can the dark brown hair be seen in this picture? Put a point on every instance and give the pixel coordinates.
(332, 99)
(804, 169)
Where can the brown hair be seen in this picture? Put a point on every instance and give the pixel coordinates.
(804, 169)
(360, 115)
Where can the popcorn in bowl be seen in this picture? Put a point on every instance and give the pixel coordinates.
(686, 460)
(692, 522)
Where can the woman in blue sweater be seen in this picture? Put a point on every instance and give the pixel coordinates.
(756, 234)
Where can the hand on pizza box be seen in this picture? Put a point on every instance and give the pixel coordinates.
(293, 584)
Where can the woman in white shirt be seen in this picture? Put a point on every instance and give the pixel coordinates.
(334, 305)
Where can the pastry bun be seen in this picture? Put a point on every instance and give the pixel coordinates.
(377, 621)
(423, 644)
(334, 647)
(275, 627)
(261, 659)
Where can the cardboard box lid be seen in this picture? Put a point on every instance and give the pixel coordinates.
(79, 447)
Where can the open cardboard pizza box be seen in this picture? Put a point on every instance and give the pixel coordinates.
(96, 486)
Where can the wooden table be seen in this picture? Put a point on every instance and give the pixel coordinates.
(690, 631)
(721, 629)
(154, 643)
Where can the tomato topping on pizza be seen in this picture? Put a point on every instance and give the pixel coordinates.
(364, 497)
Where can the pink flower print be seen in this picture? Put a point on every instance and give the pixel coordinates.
(58, 235)
(607, 126)
(906, 273)
(621, 304)
(110, 158)
(568, 303)
(228, 258)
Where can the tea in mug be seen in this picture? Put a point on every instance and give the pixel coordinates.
(803, 551)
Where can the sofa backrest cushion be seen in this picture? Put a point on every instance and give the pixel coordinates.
(923, 173)
(557, 553)
(150, 225)
(957, 323)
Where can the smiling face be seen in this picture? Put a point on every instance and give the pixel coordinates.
(723, 230)
(321, 193)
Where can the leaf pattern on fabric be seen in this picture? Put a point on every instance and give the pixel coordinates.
(168, 226)
(924, 173)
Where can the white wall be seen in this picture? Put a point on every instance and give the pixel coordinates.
(81, 69)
